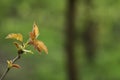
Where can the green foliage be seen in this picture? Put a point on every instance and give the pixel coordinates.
(18, 16)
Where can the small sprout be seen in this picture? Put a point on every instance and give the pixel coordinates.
(15, 36)
(18, 46)
(10, 64)
(39, 45)
(21, 46)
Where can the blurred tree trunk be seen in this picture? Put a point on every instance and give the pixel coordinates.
(70, 39)
(90, 34)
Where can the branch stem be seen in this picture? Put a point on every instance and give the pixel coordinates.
(7, 69)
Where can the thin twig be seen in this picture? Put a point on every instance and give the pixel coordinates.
(7, 70)
(4, 74)
(16, 58)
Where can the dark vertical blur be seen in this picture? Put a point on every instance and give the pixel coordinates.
(90, 33)
(70, 39)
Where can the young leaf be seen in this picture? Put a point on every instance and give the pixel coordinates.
(40, 46)
(10, 64)
(35, 32)
(15, 36)
(18, 46)
(16, 66)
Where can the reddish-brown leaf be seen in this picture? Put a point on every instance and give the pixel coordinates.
(39, 45)
(16, 66)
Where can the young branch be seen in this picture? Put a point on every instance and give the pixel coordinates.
(21, 47)
(7, 70)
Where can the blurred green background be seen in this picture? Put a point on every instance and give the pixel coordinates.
(96, 44)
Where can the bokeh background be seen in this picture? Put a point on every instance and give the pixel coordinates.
(82, 37)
